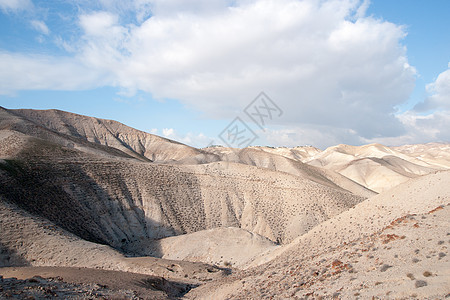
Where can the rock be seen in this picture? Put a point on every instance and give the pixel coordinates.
(420, 283)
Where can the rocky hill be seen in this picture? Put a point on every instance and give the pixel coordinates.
(393, 245)
(259, 222)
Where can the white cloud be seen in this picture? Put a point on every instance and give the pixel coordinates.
(40, 26)
(168, 132)
(176, 7)
(15, 5)
(25, 72)
(419, 129)
(439, 91)
(196, 140)
(98, 24)
(325, 63)
(429, 121)
(306, 55)
(131, 10)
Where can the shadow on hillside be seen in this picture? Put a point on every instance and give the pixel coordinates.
(10, 258)
(103, 202)
(172, 289)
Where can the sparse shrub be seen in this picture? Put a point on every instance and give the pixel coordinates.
(385, 267)
(421, 283)
(427, 274)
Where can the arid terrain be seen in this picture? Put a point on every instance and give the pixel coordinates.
(94, 209)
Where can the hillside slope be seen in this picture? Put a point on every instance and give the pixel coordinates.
(14, 130)
(263, 158)
(112, 134)
(219, 246)
(84, 192)
(392, 245)
(27, 240)
(140, 201)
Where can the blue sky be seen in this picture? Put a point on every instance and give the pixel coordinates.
(342, 71)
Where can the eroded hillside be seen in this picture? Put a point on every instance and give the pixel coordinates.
(394, 245)
(258, 222)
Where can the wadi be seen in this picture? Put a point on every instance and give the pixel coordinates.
(94, 209)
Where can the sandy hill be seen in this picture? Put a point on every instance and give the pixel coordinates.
(221, 246)
(90, 203)
(113, 134)
(81, 192)
(264, 158)
(437, 154)
(374, 166)
(30, 241)
(15, 130)
(299, 153)
(146, 201)
(392, 245)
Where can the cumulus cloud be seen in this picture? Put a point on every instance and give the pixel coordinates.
(176, 7)
(40, 26)
(196, 140)
(99, 24)
(26, 72)
(325, 63)
(15, 5)
(439, 91)
(419, 129)
(307, 55)
(430, 120)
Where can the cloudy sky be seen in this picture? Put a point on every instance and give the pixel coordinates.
(341, 71)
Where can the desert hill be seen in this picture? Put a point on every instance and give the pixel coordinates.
(161, 200)
(392, 245)
(263, 158)
(16, 129)
(259, 222)
(374, 166)
(437, 154)
(142, 200)
(299, 153)
(27, 240)
(112, 134)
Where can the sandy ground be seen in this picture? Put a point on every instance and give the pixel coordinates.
(61, 282)
(218, 246)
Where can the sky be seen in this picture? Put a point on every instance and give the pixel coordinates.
(284, 72)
